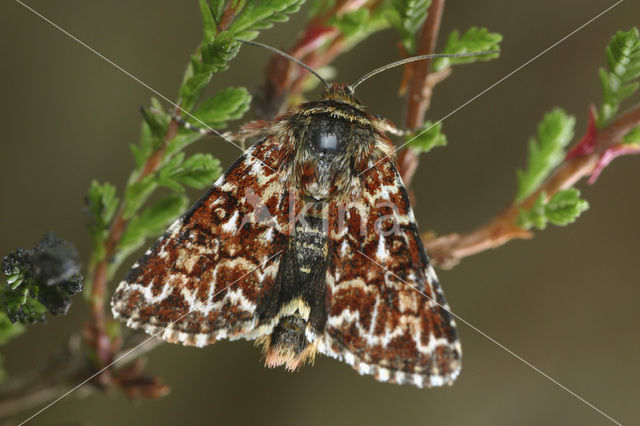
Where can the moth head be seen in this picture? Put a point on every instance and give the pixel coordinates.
(341, 92)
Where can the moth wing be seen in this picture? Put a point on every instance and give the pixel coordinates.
(203, 279)
(387, 313)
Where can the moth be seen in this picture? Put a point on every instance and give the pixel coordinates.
(306, 244)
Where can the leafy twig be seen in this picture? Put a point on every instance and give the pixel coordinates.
(545, 192)
(420, 88)
(423, 76)
(101, 342)
(448, 250)
(332, 30)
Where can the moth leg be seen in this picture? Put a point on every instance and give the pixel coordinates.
(252, 129)
(246, 131)
(388, 127)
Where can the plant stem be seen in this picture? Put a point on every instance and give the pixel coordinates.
(100, 341)
(420, 87)
(285, 78)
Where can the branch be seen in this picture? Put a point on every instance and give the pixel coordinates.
(99, 341)
(421, 87)
(285, 78)
(448, 250)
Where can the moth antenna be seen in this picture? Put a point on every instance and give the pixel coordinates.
(414, 59)
(291, 58)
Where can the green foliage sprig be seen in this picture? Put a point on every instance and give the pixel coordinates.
(261, 15)
(427, 138)
(563, 208)
(555, 131)
(407, 16)
(474, 40)
(623, 60)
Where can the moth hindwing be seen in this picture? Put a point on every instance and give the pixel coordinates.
(306, 244)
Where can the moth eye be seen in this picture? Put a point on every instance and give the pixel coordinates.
(327, 142)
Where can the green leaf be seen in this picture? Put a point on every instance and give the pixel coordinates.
(259, 15)
(633, 137)
(555, 131)
(407, 16)
(184, 138)
(563, 208)
(136, 194)
(428, 138)
(209, 28)
(228, 104)
(152, 133)
(474, 40)
(215, 112)
(217, 54)
(623, 59)
(351, 23)
(158, 122)
(214, 57)
(151, 222)
(198, 171)
(102, 204)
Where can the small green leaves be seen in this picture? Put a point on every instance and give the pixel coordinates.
(260, 15)
(209, 27)
(555, 131)
(151, 222)
(152, 133)
(101, 204)
(213, 57)
(563, 208)
(228, 104)
(40, 279)
(623, 59)
(407, 16)
(198, 171)
(474, 40)
(137, 193)
(429, 137)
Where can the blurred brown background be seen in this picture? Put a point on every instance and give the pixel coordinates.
(566, 301)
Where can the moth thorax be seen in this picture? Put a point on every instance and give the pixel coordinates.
(325, 144)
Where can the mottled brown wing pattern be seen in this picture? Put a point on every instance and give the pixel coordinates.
(387, 315)
(204, 278)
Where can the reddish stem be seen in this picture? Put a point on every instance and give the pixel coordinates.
(420, 87)
(99, 340)
(285, 78)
